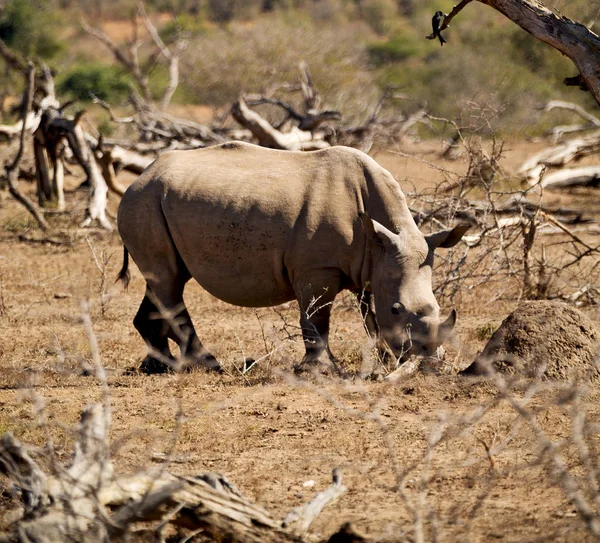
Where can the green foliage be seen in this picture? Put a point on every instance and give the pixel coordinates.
(491, 75)
(189, 25)
(105, 126)
(29, 27)
(106, 82)
(394, 50)
(220, 65)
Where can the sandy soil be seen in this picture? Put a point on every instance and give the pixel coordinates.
(268, 431)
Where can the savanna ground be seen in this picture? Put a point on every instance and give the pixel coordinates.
(268, 431)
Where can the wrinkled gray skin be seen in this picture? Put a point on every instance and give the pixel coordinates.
(258, 227)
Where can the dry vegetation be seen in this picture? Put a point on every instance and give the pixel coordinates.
(435, 454)
(431, 455)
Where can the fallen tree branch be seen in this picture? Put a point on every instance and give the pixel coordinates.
(558, 131)
(32, 121)
(573, 177)
(560, 104)
(87, 502)
(558, 155)
(575, 237)
(267, 136)
(300, 519)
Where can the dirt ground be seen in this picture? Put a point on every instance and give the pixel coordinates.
(267, 431)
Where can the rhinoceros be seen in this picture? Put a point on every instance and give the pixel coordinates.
(258, 227)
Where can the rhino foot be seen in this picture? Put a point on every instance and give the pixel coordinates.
(316, 366)
(152, 366)
(206, 362)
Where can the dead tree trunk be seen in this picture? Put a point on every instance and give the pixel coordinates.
(12, 167)
(588, 176)
(44, 185)
(48, 147)
(51, 131)
(558, 155)
(98, 189)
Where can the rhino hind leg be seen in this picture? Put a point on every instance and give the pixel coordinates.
(161, 318)
(193, 353)
(154, 332)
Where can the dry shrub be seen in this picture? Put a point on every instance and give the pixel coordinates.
(265, 54)
(518, 245)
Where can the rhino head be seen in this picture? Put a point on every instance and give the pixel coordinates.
(408, 314)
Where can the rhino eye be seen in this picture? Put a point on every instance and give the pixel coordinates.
(397, 308)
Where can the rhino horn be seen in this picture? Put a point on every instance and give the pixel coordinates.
(448, 325)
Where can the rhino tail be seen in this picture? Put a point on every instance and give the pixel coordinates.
(124, 274)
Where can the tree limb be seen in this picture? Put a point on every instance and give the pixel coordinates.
(267, 136)
(572, 39)
(558, 155)
(453, 13)
(299, 520)
(131, 64)
(560, 104)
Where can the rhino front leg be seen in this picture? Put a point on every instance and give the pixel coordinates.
(315, 311)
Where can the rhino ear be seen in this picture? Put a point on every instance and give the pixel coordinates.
(447, 238)
(378, 232)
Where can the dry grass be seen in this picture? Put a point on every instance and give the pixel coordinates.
(466, 471)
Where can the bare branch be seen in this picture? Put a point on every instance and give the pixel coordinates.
(453, 13)
(131, 63)
(300, 519)
(560, 104)
(170, 56)
(572, 39)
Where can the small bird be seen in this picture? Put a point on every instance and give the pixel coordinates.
(436, 23)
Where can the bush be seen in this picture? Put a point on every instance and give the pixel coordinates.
(190, 25)
(378, 13)
(106, 82)
(223, 63)
(394, 50)
(29, 27)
